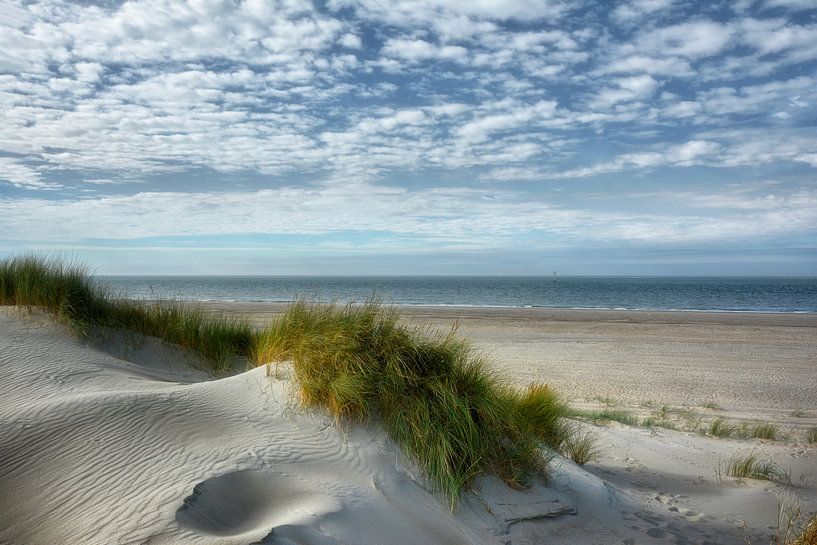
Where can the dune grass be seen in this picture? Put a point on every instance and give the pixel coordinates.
(63, 288)
(763, 430)
(794, 527)
(67, 290)
(434, 395)
(609, 415)
(436, 398)
(655, 421)
(751, 465)
(581, 447)
(808, 534)
(722, 428)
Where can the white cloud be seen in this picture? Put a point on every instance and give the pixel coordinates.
(412, 12)
(669, 66)
(435, 218)
(351, 41)
(288, 96)
(765, 97)
(791, 4)
(686, 154)
(694, 39)
(420, 50)
(796, 43)
(629, 12)
(479, 129)
(682, 109)
(625, 90)
(21, 175)
(760, 146)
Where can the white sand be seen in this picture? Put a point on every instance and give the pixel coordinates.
(122, 443)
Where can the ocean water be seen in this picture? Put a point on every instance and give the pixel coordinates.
(747, 294)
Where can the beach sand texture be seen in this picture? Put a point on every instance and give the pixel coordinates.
(119, 441)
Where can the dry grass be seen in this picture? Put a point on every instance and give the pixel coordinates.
(793, 526)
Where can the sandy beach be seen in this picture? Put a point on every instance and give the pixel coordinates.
(119, 440)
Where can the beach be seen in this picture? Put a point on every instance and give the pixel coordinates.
(115, 439)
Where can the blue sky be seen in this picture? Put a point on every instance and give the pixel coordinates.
(411, 137)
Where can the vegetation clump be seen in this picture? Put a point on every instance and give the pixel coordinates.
(606, 415)
(722, 428)
(71, 294)
(763, 430)
(581, 447)
(794, 527)
(760, 430)
(752, 465)
(436, 398)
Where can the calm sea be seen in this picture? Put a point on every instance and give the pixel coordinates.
(652, 293)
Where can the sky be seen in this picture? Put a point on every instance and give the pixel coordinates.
(646, 137)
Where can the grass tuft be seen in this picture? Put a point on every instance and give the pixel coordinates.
(760, 430)
(763, 430)
(811, 435)
(609, 415)
(794, 527)
(581, 447)
(437, 398)
(808, 535)
(751, 465)
(656, 421)
(69, 292)
(721, 428)
(711, 405)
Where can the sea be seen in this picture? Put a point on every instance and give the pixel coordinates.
(722, 294)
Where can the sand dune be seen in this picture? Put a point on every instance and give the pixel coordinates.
(122, 441)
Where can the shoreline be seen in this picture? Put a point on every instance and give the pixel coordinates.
(792, 319)
(474, 306)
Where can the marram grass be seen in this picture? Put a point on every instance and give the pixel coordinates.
(434, 395)
(436, 398)
(752, 465)
(760, 430)
(582, 446)
(71, 294)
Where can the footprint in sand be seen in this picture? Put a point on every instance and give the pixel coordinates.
(256, 503)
